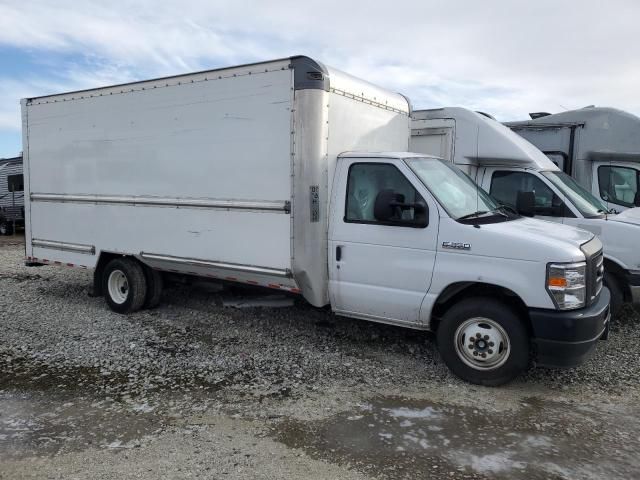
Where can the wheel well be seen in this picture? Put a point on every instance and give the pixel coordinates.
(103, 260)
(457, 292)
(618, 272)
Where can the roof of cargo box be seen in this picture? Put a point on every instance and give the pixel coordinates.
(579, 117)
(10, 161)
(482, 140)
(398, 155)
(307, 74)
(609, 133)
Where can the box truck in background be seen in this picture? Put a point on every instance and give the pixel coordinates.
(242, 174)
(11, 195)
(511, 169)
(599, 147)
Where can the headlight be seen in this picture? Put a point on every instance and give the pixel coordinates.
(567, 284)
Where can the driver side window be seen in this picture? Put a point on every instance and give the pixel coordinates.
(505, 186)
(618, 185)
(367, 181)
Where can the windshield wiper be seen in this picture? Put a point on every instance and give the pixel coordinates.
(508, 209)
(484, 213)
(474, 214)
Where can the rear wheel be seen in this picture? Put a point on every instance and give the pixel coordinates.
(124, 285)
(154, 287)
(484, 342)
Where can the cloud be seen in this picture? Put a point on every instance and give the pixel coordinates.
(503, 57)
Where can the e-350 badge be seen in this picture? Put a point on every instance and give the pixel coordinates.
(456, 245)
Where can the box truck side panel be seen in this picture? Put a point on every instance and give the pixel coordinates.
(175, 169)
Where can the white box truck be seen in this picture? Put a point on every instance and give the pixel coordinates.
(241, 174)
(507, 166)
(599, 147)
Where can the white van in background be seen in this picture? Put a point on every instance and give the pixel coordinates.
(518, 175)
(599, 147)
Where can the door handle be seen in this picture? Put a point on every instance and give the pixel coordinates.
(338, 253)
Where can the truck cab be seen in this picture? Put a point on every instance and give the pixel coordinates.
(415, 242)
(524, 180)
(599, 147)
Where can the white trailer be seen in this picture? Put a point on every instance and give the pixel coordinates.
(505, 165)
(11, 195)
(241, 174)
(599, 147)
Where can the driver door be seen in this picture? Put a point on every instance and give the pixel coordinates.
(378, 270)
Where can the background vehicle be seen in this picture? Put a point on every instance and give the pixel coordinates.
(11, 195)
(507, 166)
(238, 174)
(599, 147)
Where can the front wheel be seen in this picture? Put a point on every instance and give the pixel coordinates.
(484, 342)
(617, 297)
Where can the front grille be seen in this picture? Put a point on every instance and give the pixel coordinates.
(595, 269)
(598, 264)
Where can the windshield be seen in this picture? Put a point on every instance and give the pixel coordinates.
(584, 201)
(454, 190)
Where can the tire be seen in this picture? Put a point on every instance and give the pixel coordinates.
(617, 297)
(489, 322)
(124, 285)
(154, 287)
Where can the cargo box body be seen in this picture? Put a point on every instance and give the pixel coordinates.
(222, 173)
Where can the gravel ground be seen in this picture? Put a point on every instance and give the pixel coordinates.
(196, 390)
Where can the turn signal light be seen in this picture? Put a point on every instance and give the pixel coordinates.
(557, 282)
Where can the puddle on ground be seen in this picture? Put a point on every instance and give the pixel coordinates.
(40, 424)
(398, 439)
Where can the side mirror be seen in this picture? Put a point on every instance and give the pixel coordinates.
(389, 206)
(385, 206)
(526, 203)
(636, 199)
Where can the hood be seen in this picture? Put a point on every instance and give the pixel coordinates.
(523, 239)
(527, 239)
(632, 216)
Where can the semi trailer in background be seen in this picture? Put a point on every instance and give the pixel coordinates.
(599, 147)
(275, 174)
(513, 171)
(11, 195)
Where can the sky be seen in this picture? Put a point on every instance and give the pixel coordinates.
(504, 57)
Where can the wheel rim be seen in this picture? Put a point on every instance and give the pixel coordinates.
(118, 287)
(482, 343)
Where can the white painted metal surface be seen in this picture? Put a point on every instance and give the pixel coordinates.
(203, 171)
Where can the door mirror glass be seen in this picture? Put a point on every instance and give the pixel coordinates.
(526, 203)
(390, 207)
(386, 205)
